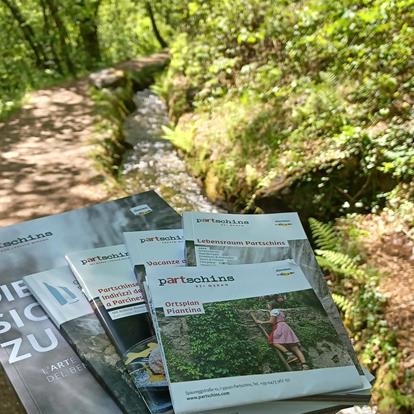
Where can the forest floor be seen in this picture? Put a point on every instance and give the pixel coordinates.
(44, 162)
(388, 247)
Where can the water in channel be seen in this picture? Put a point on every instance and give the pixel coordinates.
(153, 163)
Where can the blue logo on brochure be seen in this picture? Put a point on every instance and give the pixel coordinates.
(62, 294)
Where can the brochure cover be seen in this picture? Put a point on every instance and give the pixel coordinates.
(213, 239)
(60, 295)
(154, 248)
(159, 248)
(109, 283)
(46, 373)
(222, 333)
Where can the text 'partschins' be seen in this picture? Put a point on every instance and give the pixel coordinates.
(30, 238)
(209, 280)
(106, 258)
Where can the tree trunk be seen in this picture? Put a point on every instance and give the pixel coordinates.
(62, 34)
(48, 34)
(157, 33)
(88, 28)
(89, 34)
(28, 34)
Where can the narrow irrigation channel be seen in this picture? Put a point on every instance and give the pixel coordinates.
(153, 162)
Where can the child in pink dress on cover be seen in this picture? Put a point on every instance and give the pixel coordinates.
(282, 336)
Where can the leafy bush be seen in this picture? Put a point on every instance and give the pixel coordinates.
(294, 91)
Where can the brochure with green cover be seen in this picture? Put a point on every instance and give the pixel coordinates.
(208, 321)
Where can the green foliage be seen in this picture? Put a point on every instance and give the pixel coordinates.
(340, 263)
(345, 305)
(181, 368)
(111, 107)
(213, 343)
(45, 41)
(316, 94)
(325, 236)
(125, 31)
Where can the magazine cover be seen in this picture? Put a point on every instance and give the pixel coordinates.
(242, 339)
(46, 373)
(212, 239)
(60, 295)
(109, 283)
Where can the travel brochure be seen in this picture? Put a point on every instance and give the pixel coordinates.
(218, 359)
(213, 239)
(109, 283)
(208, 313)
(60, 295)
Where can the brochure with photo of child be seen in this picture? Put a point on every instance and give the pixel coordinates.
(60, 296)
(159, 248)
(108, 281)
(214, 239)
(233, 329)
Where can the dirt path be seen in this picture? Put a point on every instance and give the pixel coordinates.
(44, 163)
(45, 168)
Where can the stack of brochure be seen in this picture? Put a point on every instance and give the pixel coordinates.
(204, 313)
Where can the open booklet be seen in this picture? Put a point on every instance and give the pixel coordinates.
(217, 358)
(108, 281)
(213, 239)
(60, 296)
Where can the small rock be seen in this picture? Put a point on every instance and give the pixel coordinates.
(107, 78)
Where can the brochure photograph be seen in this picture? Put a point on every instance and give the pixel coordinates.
(245, 334)
(60, 296)
(296, 336)
(108, 280)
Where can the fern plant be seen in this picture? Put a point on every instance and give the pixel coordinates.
(349, 275)
(324, 234)
(342, 264)
(344, 304)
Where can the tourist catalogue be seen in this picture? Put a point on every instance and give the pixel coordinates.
(43, 369)
(109, 283)
(213, 239)
(59, 294)
(218, 358)
(159, 248)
